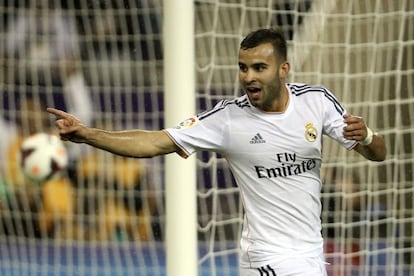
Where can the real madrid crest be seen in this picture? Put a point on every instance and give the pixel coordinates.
(311, 133)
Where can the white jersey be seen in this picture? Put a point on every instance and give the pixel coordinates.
(275, 159)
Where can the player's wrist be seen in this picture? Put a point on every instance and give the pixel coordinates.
(368, 139)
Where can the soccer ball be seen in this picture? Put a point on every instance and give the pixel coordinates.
(43, 157)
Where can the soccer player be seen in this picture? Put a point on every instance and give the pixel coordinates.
(272, 139)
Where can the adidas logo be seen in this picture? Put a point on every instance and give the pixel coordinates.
(257, 139)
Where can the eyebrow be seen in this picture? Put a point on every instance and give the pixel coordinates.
(254, 64)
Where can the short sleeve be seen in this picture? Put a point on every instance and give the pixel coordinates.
(333, 121)
(206, 131)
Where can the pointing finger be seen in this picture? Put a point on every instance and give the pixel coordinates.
(58, 113)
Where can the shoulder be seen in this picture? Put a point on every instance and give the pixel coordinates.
(315, 93)
(226, 106)
(299, 89)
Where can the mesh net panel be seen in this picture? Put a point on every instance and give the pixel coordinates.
(102, 61)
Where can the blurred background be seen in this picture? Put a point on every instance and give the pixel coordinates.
(102, 60)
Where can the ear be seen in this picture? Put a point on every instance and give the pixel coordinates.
(284, 70)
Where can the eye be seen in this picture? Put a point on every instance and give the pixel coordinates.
(242, 67)
(259, 67)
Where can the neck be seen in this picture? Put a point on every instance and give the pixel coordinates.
(280, 102)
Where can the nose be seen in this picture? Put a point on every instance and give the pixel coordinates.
(248, 76)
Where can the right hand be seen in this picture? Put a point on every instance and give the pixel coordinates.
(70, 128)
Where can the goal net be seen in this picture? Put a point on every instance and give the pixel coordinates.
(103, 61)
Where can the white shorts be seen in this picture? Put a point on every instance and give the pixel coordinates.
(289, 267)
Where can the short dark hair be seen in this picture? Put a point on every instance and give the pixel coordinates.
(261, 36)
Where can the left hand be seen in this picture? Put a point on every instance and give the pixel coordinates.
(355, 128)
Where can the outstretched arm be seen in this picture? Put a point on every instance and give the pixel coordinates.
(130, 143)
(371, 146)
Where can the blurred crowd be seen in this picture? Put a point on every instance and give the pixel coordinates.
(44, 48)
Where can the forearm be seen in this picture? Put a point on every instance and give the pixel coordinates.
(375, 151)
(131, 143)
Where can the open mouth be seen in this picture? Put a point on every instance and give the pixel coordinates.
(253, 89)
(254, 93)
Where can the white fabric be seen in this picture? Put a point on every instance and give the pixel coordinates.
(313, 266)
(275, 159)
